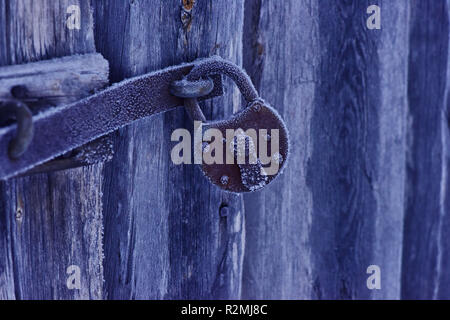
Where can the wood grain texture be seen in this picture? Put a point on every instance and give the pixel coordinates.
(339, 206)
(36, 30)
(389, 182)
(282, 57)
(49, 221)
(357, 169)
(56, 81)
(164, 234)
(367, 179)
(425, 240)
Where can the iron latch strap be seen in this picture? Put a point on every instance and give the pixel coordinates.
(61, 129)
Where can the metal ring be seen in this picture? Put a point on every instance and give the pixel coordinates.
(194, 86)
(18, 110)
(217, 65)
(191, 89)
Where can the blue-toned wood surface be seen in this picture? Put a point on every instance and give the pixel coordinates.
(367, 179)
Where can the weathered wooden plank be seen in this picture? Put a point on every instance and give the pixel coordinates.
(281, 56)
(389, 184)
(339, 206)
(164, 234)
(425, 241)
(56, 81)
(49, 221)
(48, 83)
(36, 30)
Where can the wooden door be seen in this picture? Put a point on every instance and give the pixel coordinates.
(367, 179)
(167, 234)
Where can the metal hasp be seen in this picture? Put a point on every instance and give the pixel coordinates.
(256, 129)
(259, 141)
(61, 129)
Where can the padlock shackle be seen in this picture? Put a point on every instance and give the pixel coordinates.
(217, 65)
(256, 116)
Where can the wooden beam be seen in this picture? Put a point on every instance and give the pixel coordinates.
(49, 222)
(56, 81)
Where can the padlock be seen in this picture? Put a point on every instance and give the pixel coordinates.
(247, 135)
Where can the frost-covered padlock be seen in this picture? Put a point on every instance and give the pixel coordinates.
(247, 151)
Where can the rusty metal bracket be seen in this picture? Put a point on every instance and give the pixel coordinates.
(61, 129)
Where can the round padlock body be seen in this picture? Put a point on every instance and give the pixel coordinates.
(256, 141)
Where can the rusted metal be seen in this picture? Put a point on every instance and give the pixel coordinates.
(17, 110)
